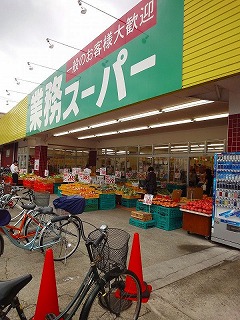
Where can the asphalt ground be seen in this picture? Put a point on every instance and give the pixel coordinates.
(192, 278)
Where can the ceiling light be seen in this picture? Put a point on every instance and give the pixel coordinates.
(60, 134)
(186, 105)
(215, 116)
(103, 124)
(79, 129)
(177, 147)
(215, 144)
(133, 129)
(166, 124)
(166, 147)
(140, 115)
(106, 134)
(87, 137)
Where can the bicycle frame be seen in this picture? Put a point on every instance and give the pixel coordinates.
(92, 277)
(16, 238)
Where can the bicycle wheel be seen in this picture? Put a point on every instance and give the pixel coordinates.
(63, 237)
(32, 224)
(118, 297)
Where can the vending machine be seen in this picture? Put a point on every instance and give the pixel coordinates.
(226, 195)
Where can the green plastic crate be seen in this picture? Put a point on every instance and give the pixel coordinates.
(140, 206)
(129, 203)
(142, 224)
(91, 204)
(165, 211)
(107, 201)
(167, 223)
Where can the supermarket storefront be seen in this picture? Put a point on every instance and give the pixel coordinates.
(166, 58)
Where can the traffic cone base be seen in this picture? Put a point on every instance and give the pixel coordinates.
(135, 265)
(146, 293)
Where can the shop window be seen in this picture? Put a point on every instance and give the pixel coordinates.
(160, 166)
(144, 163)
(120, 165)
(178, 168)
(101, 163)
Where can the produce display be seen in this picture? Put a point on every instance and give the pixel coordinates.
(106, 188)
(79, 189)
(204, 206)
(38, 183)
(128, 192)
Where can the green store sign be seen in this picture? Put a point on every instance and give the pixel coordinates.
(137, 58)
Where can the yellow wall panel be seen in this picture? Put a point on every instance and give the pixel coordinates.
(211, 46)
(13, 123)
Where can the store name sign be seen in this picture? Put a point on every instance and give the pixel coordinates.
(134, 23)
(141, 61)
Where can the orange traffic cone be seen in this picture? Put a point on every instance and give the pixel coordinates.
(135, 265)
(47, 297)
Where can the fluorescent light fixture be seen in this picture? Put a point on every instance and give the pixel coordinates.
(173, 123)
(102, 124)
(215, 116)
(60, 134)
(216, 148)
(79, 129)
(87, 137)
(178, 147)
(215, 144)
(133, 129)
(178, 150)
(140, 115)
(186, 105)
(106, 134)
(197, 145)
(166, 147)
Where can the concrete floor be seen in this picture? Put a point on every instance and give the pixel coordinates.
(192, 278)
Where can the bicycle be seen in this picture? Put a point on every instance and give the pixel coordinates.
(9, 200)
(35, 233)
(108, 291)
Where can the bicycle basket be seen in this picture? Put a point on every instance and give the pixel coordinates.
(112, 252)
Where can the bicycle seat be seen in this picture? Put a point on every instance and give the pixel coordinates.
(28, 206)
(5, 217)
(10, 288)
(45, 209)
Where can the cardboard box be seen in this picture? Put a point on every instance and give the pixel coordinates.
(143, 216)
(194, 193)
